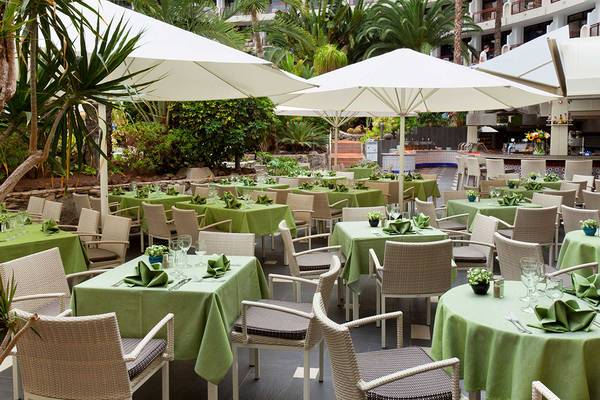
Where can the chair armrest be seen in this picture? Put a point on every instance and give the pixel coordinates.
(540, 389)
(327, 248)
(67, 227)
(119, 211)
(303, 211)
(337, 203)
(290, 279)
(106, 242)
(457, 216)
(593, 265)
(374, 318)
(462, 233)
(40, 296)
(450, 362)
(509, 226)
(66, 313)
(224, 222)
(167, 320)
(320, 235)
(373, 263)
(491, 246)
(85, 273)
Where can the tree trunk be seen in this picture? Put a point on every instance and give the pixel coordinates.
(33, 49)
(458, 27)
(8, 69)
(30, 162)
(258, 46)
(498, 28)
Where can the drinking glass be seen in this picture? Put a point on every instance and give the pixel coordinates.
(388, 209)
(530, 277)
(405, 215)
(395, 211)
(201, 248)
(174, 250)
(185, 242)
(554, 289)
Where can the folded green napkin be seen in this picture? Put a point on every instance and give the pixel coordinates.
(328, 185)
(551, 177)
(217, 267)
(533, 185)
(148, 276)
(332, 173)
(306, 186)
(510, 199)
(340, 188)
(118, 191)
(586, 287)
(513, 184)
(270, 180)
(563, 316)
(50, 226)
(375, 177)
(421, 221)
(390, 176)
(172, 191)
(399, 227)
(360, 186)
(264, 200)
(230, 201)
(248, 182)
(197, 199)
(319, 174)
(142, 192)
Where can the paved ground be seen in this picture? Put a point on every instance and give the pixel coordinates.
(279, 367)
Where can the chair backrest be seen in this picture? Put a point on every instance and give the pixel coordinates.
(577, 186)
(179, 187)
(52, 210)
(597, 185)
(281, 195)
(186, 223)
(494, 167)
(202, 191)
(321, 205)
(156, 220)
(227, 188)
(288, 246)
(271, 195)
(230, 244)
(510, 253)
(116, 228)
(591, 200)
(529, 166)
(572, 217)
(349, 175)
(453, 195)
(482, 230)
(81, 201)
(577, 167)
(568, 196)
(342, 355)
(386, 188)
(588, 179)
(417, 268)
(535, 225)
(461, 164)
(37, 273)
(427, 208)
(35, 205)
(56, 358)
(487, 185)
(305, 202)
(89, 221)
(473, 168)
(291, 182)
(96, 204)
(547, 200)
(360, 213)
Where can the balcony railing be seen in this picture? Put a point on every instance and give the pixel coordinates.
(595, 29)
(525, 5)
(489, 14)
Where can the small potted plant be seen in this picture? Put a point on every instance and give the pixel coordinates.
(512, 184)
(589, 226)
(472, 195)
(155, 253)
(374, 218)
(479, 280)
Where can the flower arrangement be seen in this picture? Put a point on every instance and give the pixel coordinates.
(479, 280)
(156, 250)
(472, 195)
(589, 226)
(538, 137)
(551, 177)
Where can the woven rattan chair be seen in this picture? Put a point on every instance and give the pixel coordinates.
(564, 274)
(386, 188)
(577, 186)
(311, 263)
(52, 210)
(81, 201)
(597, 185)
(533, 166)
(548, 200)
(510, 253)
(221, 189)
(158, 226)
(494, 167)
(568, 195)
(85, 358)
(256, 193)
(411, 270)
(203, 191)
(360, 213)
(277, 325)
(478, 250)
(111, 249)
(572, 217)
(96, 204)
(533, 225)
(489, 184)
(179, 187)
(281, 195)
(588, 179)
(89, 222)
(35, 206)
(473, 171)
(302, 207)
(452, 195)
(326, 212)
(187, 222)
(577, 167)
(401, 373)
(291, 182)
(231, 244)
(347, 175)
(453, 223)
(432, 177)
(460, 171)
(591, 200)
(541, 392)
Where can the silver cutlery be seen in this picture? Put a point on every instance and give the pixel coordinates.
(180, 284)
(516, 321)
(514, 324)
(118, 283)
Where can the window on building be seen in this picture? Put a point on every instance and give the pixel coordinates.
(534, 31)
(576, 21)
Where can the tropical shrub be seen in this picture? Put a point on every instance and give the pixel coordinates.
(301, 134)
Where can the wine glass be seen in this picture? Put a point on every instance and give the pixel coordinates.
(530, 278)
(395, 211)
(185, 242)
(388, 209)
(554, 288)
(174, 250)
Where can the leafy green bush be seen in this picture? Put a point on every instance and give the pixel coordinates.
(144, 146)
(12, 153)
(285, 166)
(303, 134)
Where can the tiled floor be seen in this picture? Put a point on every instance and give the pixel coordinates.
(279, 378)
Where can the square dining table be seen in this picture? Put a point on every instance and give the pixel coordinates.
(204, 308)
(489, 207)
(356, 197)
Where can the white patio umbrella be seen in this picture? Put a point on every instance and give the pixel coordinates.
(186, 67)
(405, 81)
(333, 118)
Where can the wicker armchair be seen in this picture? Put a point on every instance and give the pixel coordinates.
(201, 190)
(85, 358)
(568, 195)
(460, 172)
(232, 244)
(577, 167)
(572, 217)
(81, 201)
(96, 204)
(35, 206)
(478, 250)
(564, 274)
(533, 166)
(221, 189)
(291, 182)
(487, 185)
(324, 211)
(591, 200)
(541, 392)
(302, 206)
(158, 226)
(510, 253)
(386, 188)
(494, 167)
(411, 270)
(452, 195)
(588, 179)
(179, 187)
(281, 194)
(360, 213)
(273, 324)
(110, 250)
(52, 210)
(89, 222)
(401, 373)
(186, 222)
(473, 171)
(453, 223)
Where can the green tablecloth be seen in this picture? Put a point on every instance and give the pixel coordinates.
(488, 207)
(357, 198)
(129, 200)
(325, 178)
(424, 188)
(495, 357)
(33, 240)
(356, 238)
(577, 248)
(204, 311)
(520, 190)
(361, 172)
(253, 218)
(259, 187)
(549, 185)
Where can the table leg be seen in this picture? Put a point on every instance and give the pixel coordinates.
(213, 391)
(475, 395)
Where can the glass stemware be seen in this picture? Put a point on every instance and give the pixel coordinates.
(174, 250)
(201, 247)
(530, 277)
(185, 242)
(554, 289)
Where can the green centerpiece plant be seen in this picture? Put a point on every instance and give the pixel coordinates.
(472, 195)
(479, 280)
(589, 227)
(156, 253)
(551, 177)
(374, 218)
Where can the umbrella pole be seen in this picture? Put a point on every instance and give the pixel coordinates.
(335, 140)
(103, 161)
(329, 148)
(401, 162)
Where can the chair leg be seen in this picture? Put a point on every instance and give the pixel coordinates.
(141, 240)
(309, 230)
(340, 296)
(262, 246)
(235, 387)
(165, 381)
(429, 311)
(348, 302)
(306, 375)
(321, 351)
(298, 292)
(272, 242)
(383, 323)
(355, 306)
(15, 379)
(257, 364)
(377, 303)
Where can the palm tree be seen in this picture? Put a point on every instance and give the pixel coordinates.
(8, 51)
(498, 28)
(254, 8)
(328, 58)
(458, 30)
(413, 24)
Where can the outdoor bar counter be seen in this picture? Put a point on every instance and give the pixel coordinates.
(551, 160)
(420, 159)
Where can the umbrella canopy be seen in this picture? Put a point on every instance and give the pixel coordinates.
(405, 81)
(581, 64)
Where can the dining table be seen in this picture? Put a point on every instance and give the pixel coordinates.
(362, 172)
(30, 239)
(355, 197)
(128, 199)
(578, 248)
(489, 207)
(424, 189)
(497, 357)
(247, 188)
(204, 308)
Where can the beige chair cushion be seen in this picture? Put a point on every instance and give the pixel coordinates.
(452, 224)
(300, 222)
(99, 255)
(335, 212)
(316, 261)
(276, 324)
(468, 254)
(149, 353)
(506, 233)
